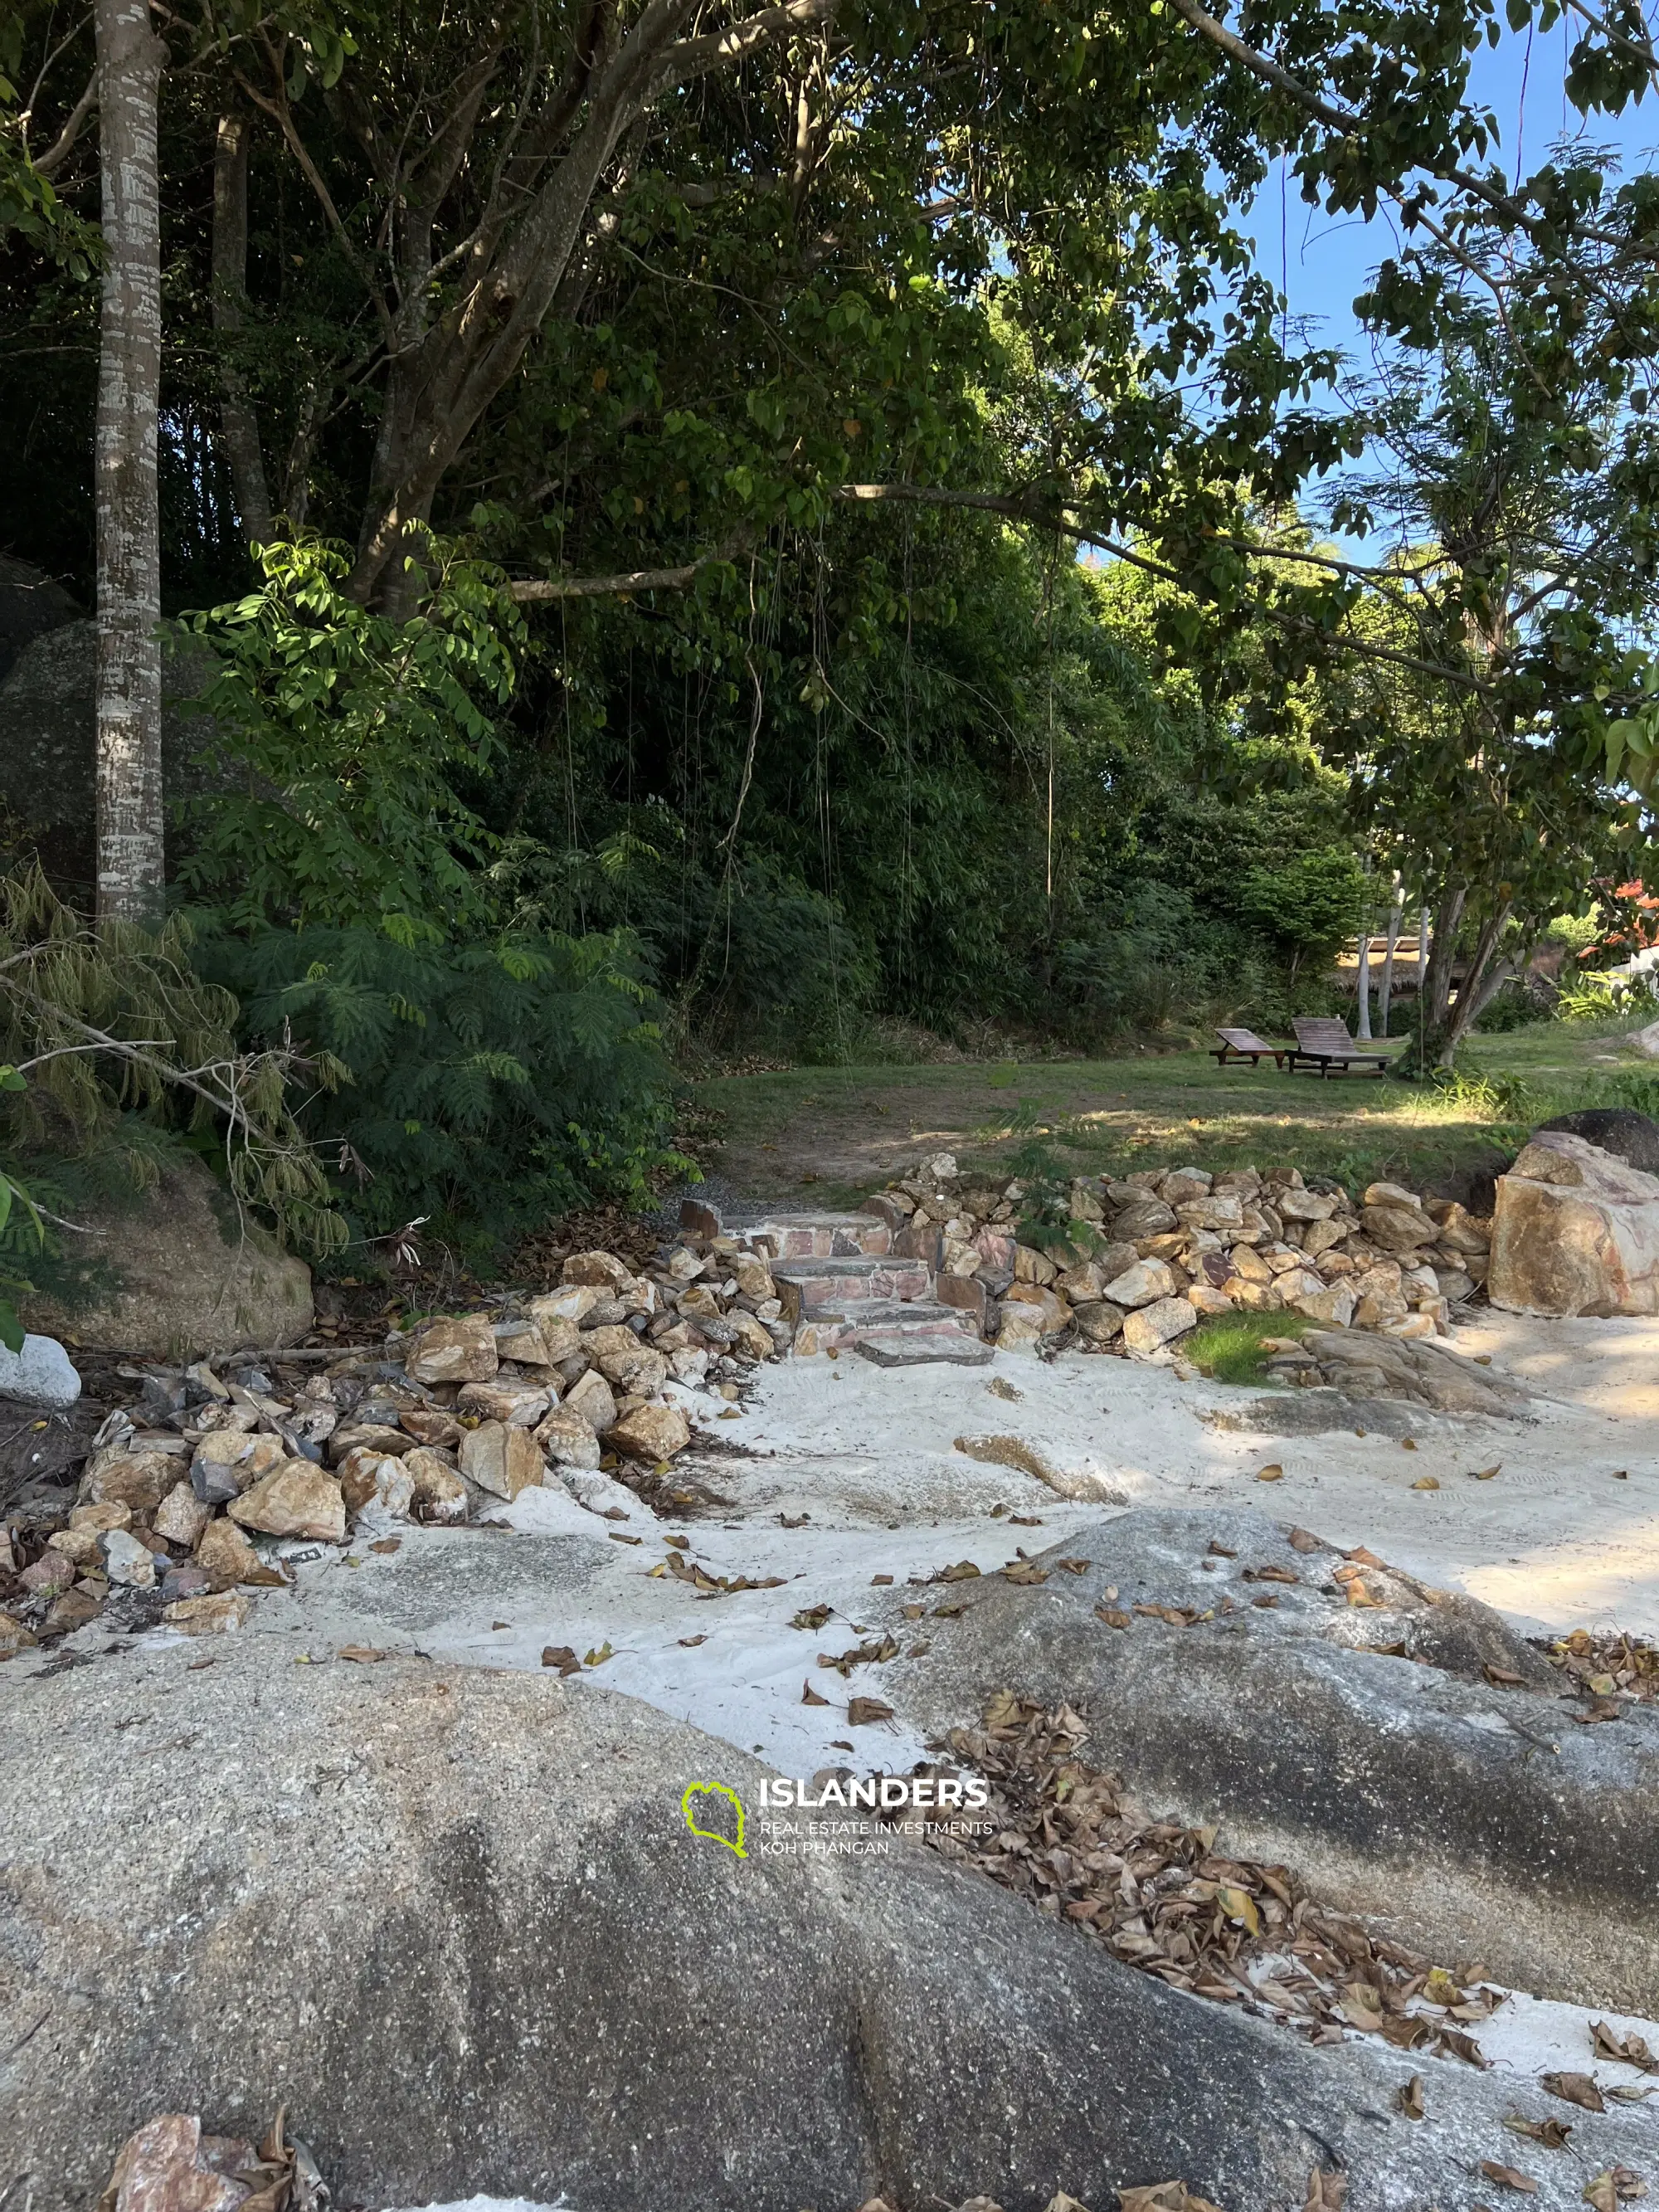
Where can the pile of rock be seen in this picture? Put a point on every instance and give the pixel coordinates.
(1147, 1257)
(197, 1493)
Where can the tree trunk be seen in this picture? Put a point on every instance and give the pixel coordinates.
(1396, 912)
(130, 818)
(241, 425)
(1422, 947)
(1482, 978)
(1428, 1047)
(1363, 1030)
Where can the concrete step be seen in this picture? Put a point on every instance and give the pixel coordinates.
(892, 1324)
(797, 1236)
(809, 1287)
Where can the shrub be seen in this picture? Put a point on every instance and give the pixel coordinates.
(492, 1082)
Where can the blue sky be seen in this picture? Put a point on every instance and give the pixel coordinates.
(1324, 261)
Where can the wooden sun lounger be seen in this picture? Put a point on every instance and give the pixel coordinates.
(1323, 1042)
(1238, 1045)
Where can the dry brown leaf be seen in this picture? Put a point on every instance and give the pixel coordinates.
(1362, 2003)
(1503, 1678)
(1304, 1540)
(1272, 1473)
(1509, 2176)
(1576, 2089)
(1551, 2133)
(364, 1655)
(1238, 1905)
(1628, 2049)
(1409, 2098)
(1426, 1482)
(1163, 2197)
(1614, 2186)
(1485, 1474)
(561, 1657)
(1112, 1618)
(1327, 2192)
(809, 1696)
(863, 1712)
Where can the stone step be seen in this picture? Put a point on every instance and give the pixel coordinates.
(811, 1287)
(797, 1236)
(894, 1325)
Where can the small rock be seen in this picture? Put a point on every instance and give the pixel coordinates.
(522, 1340)
(79, 1545)
(208, 1615)
(1099, 1322)
(502, 1460)
(229, 1462)
(54, 1571)
(1051, 1310)
(74, 1609)
(602, 1270)
(126, 1560)
(621, 1358)
(187, 1580)
(295, 1499)
(440, 1495)
(1204, 1297)
(1335, 1303)
(226, 1557)
(559, 1313)
(430, 1424)
(461, 1351)
(181, 1515)
(41, 1374)
(593, 1398)
(1150, 1327)
(138, 1480)
(651, 1432)
(369, 1478)
(521, 1405)
(1021, 1330)
(1142, 1284)
(569, 1438)
(14, 1637)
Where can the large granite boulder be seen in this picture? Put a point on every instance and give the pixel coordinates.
(47, 779)
(31, 603)
(455, 1921)
(1401, 1747)
(1576, 1231)
(1620, 1130)
(177, 1273)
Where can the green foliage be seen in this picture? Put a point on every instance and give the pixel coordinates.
(347, 729)
(1310, 901)
(109, 1034)
(493, 1082)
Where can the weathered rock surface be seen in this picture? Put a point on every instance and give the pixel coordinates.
(295, 1499)
(535, 1980)
(1628, 1135)
(187, 1280)
(1477, 1821)
(1576, 1231)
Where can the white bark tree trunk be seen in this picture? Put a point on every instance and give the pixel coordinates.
(1364, 1028)
(130, 825)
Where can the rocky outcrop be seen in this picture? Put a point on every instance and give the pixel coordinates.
(1576, 1232)
(1400, 1746)
(184, 1277)
(1628, 1135)
(456, 1923)
(31, 604)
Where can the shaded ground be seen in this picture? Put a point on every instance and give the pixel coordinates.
(829, 1134)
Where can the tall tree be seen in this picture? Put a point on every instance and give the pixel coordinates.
(127, 710)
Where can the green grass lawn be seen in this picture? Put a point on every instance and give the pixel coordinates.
(832, 1134)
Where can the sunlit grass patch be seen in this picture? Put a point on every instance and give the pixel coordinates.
(1229, 1347)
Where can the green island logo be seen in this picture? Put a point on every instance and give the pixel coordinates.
(713, 1789)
